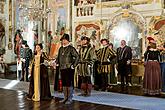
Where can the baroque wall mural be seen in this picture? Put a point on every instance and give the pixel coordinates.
(61, 19)
(90, 30)
(157, 29)
(129, 25)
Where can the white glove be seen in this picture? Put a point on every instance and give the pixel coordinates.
(23, 60)
(46, 63)
(128, 62)
(72, 67)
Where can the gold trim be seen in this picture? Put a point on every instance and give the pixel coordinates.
(10, 45)
(111, 4)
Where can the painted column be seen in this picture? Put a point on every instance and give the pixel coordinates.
(9, 56)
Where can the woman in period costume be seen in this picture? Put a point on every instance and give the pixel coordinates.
(112, 77)
(67, 60)
(152, 76)
(85, 68)
(39, 88)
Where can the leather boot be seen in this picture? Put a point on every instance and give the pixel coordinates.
(70, 95)
(83, 89)
(89, 89)
(65, 95)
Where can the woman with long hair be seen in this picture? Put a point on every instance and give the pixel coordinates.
(39, 88)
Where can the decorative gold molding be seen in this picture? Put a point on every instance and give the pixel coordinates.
(157, 34)
(2, 7)
(111, 4)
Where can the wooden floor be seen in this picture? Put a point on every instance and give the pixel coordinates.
(16, 100)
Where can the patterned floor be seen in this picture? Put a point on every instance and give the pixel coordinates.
(106, 98)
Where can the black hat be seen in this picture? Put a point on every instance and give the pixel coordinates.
(85, 38)
(24, 42)
(104, 40)
(65, 36)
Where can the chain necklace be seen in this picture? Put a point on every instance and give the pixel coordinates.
(64, 50)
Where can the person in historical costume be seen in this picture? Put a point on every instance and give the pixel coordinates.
(162, 64)
(124, 56)
(152, 76)
(39, 88)
(85, 68)
(49, 40)
(19, 69)
(112, 75)
(25, 57)
(17, 43)
(21, 62)
(55, 45)
(67, 60)
(105, 56)
(3, 66)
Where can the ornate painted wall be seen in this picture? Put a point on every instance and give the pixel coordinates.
(109, 14)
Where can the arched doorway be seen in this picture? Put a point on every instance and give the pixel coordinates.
(129, 25)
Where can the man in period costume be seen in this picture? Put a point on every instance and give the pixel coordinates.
(124, 56)
(105, 56)
(87, 57)
(21, 61)
(26, 55)
(162, 63)
(67, 60)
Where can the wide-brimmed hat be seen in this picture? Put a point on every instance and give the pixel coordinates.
(85, 38)
(65, 36)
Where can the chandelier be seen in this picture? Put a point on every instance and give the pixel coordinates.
(35, 10)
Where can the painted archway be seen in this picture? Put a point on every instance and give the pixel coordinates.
(128, 24)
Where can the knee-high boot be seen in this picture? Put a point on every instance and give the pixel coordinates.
(89, 89)
(65, 91)
(69, 95)
(84, 89)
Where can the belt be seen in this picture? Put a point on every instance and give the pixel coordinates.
(152, 60)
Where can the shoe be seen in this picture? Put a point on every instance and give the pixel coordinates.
(22, 79)
(81, 94)
(103, 89)
(68, 102)
(36, 100)
(28, 98)
(63, 101)
(87, 95)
